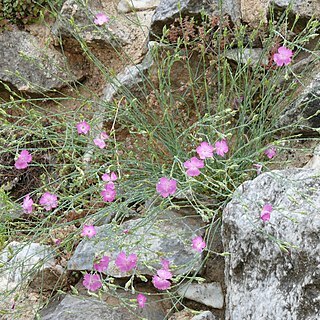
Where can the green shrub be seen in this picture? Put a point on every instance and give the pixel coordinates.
(21, 11)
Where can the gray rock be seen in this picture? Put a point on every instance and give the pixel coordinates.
(126, 6)
(272, 271)
(83, 308)
(30, 66)
(22, 262)
(168, 10)
(304, 112)
(206, 315)
(301, 7)
(110, 307)
(168, 236)
(253, 11)
(209, 294)
(314, 162)
(75, 23)
(250, 56)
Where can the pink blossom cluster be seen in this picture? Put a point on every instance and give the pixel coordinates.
(83, 127)
(48, 201)
(161, 279)
(100, 140)
(204, 151)
(109, 191)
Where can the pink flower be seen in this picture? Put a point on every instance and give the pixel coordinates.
(103, 135)
(283, 57)
(83, 127)
(266, 210)
(101, 19)
(102, 265)
(161, 284)
(192, 165)
(270, 152)
(108, 193)
(198, 244)
(124, 263)
(165, 264)
(258, 166)
(23, 160)
(205, 150)
(161, 280)
(141, 299)
(92, 282)
(48, 201)
(221, 147)
(109, 177)
(27, 204)
(88, 231)
(166, 187)
(99, 143)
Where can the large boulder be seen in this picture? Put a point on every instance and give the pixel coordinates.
(30, 66)
(168, 10)
(304, 112)
(169, 236)
(125, 6)
(75, 23)
(253, 11)
(272, 271)
(82, 307)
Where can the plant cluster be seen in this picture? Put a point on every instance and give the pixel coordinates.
(186, 143)
(21, 11)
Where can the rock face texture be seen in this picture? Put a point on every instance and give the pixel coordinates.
(126, 6)
(19, 262)
(206, 315)
(305, 111)
(169, 236)
(209, 294)
(76, 21)
(253, 11)
(83, 307)
(263, 281)
(168, 10)
(30, 66)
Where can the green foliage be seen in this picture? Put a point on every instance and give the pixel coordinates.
(21, 11)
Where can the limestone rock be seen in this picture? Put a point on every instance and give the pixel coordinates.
(273, 268)
(209, 294)
(83, 308)
(22, 262)
(305, 110)
(250, 56)
(126, 6)
(109, 307)
(206, 315)
(168, 10)
(253, 11)
(76, 21)
(30, 66)
(314, 162)
(169, 237)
